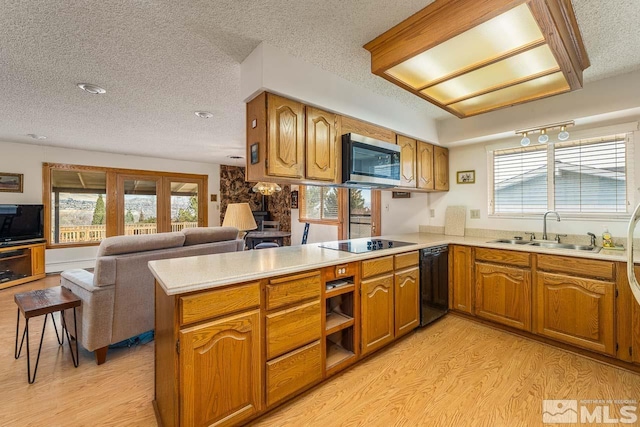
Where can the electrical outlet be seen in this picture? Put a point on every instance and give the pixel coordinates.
(475, 213)
(432, 213)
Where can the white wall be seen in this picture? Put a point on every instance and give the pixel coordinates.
(404, 215)
(475, 196)
(27, 159)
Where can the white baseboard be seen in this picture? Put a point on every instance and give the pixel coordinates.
(58, 267)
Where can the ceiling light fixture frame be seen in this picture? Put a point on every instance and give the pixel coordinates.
(442, 21)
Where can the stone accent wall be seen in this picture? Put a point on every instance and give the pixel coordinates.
(234, 189)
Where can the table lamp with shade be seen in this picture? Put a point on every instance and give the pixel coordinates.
(239, 215)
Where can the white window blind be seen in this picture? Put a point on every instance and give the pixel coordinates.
(590, 175)
(587, 176)
(520, 180)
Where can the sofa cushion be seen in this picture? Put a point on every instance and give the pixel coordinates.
(201, 235)
(140, 243)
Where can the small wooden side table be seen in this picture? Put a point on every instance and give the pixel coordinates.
(47, 302)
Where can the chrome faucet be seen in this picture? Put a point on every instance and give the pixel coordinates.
(593, 238)
(544, 223)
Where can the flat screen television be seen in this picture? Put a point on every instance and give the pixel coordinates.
(21, 222)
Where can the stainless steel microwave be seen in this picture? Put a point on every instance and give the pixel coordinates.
(368, 162)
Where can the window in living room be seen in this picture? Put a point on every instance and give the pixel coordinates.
(86, 203)
(78, 200)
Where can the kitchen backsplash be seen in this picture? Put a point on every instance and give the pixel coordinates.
(577, 239)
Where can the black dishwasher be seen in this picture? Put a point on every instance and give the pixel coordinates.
(434, 283)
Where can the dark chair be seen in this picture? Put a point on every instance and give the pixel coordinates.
(270, 226)
(265, 245)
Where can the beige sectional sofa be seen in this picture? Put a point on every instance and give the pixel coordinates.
(118, 298)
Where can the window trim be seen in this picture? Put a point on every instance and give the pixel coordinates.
(302, 211)
(612, 216)
(111, 196)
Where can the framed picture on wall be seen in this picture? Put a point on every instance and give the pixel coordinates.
(466, 177)
(11, 182)
(255, 158)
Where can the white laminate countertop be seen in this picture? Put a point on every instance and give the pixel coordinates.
(181, 275)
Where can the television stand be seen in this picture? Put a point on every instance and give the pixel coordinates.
(21, 262)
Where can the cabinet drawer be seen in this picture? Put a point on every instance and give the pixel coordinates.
(292, 328)
(293, 371)
(374, 267)
(409, 259)
(580, 266)
(207, 305)
(522, 259)
(292, 289)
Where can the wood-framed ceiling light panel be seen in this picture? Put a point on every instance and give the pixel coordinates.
(474, 56)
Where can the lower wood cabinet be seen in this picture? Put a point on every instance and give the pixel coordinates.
(461, 285)
(407, 300)
(503, 295)
(220, 371)
(576, 310)
(377, 316)
(293, 371)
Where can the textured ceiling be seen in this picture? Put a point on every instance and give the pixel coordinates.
(162, 60)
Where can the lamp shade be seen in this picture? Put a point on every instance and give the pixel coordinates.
(239, 215)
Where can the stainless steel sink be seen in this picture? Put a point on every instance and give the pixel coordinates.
(549, 245)
(554, 245)
(511, 241)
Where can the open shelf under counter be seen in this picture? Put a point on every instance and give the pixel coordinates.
(337, 321)
(334, 292)
(337, 354)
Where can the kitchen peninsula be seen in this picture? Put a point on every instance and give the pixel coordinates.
(238, 334)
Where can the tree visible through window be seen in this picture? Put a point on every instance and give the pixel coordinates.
(319, 204)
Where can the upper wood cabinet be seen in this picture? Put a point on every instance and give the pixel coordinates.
(408, 161)
(461, 286)
(441, 168)
(321, 145)
(425, 166)
(576, 310)
(221, 371)
(503, 294)
(286, 137)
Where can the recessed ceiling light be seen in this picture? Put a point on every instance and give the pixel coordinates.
(235, 157)
(93, 89)
(204, 114)
(36, 136)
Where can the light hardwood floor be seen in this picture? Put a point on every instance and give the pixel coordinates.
(454, 373)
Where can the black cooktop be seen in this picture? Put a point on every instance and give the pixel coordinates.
(363, 245)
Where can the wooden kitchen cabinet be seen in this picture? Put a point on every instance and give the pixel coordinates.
(424, 166)
(286, 137)
(275, 138)
(461, 283)
(407, 300)
(321, 144)
(408, 161)
(220, 371)
(441, 168)
(503, 295)
(576, 310)
(377, 312)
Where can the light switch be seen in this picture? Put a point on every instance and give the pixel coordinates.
(214, 197)
(432, 213)
(474, 213)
